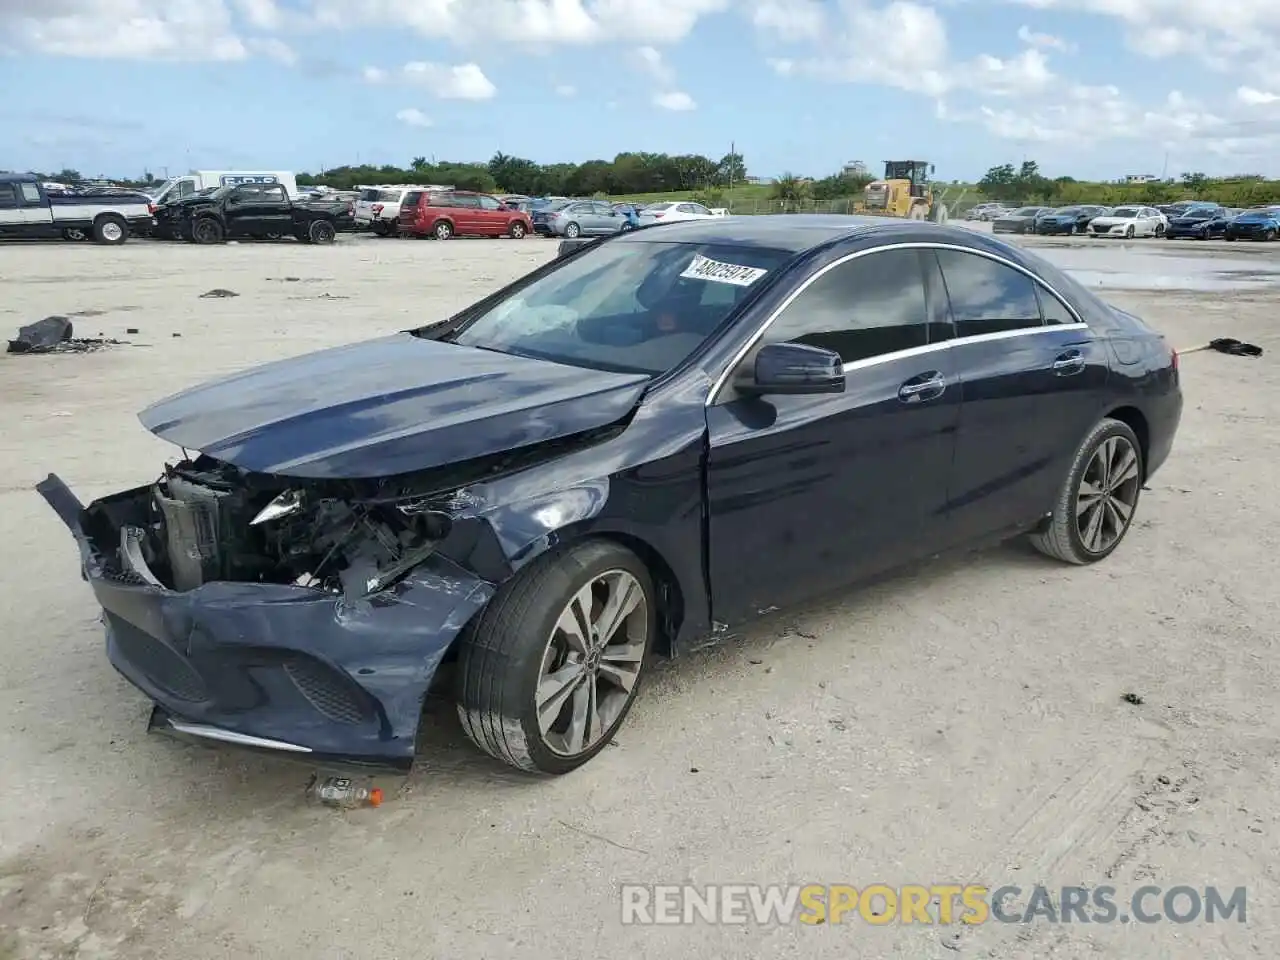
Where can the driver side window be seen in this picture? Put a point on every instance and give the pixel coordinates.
(868, 307)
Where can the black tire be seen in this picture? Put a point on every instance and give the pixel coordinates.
(517, 230)
(572, 231)
(1159, 230)
(207, 230)
(379, 229)
(443, 230)
(1128, 234)
(1229, 238)
(110, 229)
(501, 657)
(322, 231)
(1062, 538)
(1269, 235)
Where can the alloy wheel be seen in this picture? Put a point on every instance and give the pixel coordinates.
(1107, 494)
(592, 662)
(112, 232)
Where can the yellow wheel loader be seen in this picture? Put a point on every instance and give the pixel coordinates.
(905, 192)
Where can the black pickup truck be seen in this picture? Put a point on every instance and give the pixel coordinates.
(28, 211)
(257, 211)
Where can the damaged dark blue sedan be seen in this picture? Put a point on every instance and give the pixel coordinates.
(635, 448)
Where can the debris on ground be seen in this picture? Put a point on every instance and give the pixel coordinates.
(1227, 345)
(218, 292)
(55, 335)
(343, 792)
(130, 329)
(1133, 699)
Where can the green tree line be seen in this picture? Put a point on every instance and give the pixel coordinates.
(1025, 184)
(627, 173)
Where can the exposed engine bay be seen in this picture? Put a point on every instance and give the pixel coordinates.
(204, 520)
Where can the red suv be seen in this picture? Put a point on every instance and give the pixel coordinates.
(444, 214)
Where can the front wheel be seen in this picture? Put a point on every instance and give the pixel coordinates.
(551, 669)
(207, 230)
(517, 230)
(1128, 234)
(1269, 235)
(1098, 498)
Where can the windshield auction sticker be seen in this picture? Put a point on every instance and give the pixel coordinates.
(704, 268)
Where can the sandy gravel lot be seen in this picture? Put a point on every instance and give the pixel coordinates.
(962, 722)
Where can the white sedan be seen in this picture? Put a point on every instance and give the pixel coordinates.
(1130, 222)
(677, 210)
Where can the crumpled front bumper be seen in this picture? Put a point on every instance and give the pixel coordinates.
(278, 668)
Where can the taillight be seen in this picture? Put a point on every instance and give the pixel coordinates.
(151, 209)
(1173, 360)
(377, 209)
(659, 216)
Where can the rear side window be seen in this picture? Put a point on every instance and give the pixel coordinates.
(1053, 309)
(465, 200)
(871, 306)
(368, 195)
(8, 198)
(986, 296)
(387, 196)
(411, 199)
(30, 192)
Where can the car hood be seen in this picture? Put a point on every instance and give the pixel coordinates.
(1111, 221)
(1015, 219)
(388, 406)
(1191, 221)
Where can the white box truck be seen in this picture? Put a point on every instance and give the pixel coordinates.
(176, 188)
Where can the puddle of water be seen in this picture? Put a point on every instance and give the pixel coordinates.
(1128, 269)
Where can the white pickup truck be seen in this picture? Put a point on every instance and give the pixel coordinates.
(28, 211)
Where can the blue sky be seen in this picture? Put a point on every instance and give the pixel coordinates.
(1089, 88)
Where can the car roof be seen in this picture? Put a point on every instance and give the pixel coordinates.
(793, 232)
(18, 178)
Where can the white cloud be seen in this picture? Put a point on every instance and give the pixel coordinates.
(1045, 41)
(675, 100)
(123, 29)
(566, 90)
(1252, 97)
(650, 60)
(263, 14)
(413, 117)
(533, 22)
(466, 81)
(274, 49)
(789, 20)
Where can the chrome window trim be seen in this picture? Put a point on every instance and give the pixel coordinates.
(747, 347)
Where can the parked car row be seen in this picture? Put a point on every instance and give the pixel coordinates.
(29, 210)
(252, 211)
(1198, 220)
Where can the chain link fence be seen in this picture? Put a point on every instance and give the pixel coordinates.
(958, 201)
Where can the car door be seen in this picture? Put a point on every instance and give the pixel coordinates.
(240, 210)
(606, 220)
(1033, 378)
(465, 212)
(273, 210)
(12, 215)
(490, 217)
(806, 493)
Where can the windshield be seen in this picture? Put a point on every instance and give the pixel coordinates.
(625, 306)
(1027, 211)
(1125, 212)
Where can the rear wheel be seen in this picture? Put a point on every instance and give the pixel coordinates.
(549, 672)
(443, 230)
(1159, 229)
(1098, 498)
(572, 231)
(322, 231)
(110, 229)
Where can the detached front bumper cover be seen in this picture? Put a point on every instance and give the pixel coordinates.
(278, 668)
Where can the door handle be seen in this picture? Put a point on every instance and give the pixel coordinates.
(1069, 363)
(917, 390)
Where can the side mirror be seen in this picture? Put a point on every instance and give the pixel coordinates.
(795, 368)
